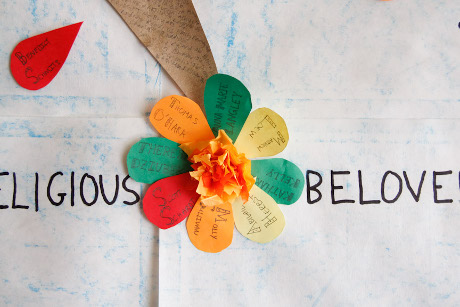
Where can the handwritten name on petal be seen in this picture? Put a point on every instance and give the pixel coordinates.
(280, 178)
(152, 159)
(180, 119)
(169, 201)
(260, 218)
(36, 60)
(227, 103)
(264, 134)
(211, 228)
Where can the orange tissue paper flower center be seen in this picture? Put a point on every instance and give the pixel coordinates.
(222, 172)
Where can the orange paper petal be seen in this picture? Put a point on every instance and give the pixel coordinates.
(180, 119)
(211, 228)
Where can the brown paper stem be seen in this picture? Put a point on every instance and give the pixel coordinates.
(172, 32)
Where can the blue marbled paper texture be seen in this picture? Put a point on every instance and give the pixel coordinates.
(363, 85)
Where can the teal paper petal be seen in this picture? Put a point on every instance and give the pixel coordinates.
(152, 159)
(279, 178)
(227, 103)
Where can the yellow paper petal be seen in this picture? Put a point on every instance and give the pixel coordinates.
(264, 134)
(211, 228)
(260, 219)
(180, 119)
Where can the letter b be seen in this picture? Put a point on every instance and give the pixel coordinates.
(21, 58)
(313, 187)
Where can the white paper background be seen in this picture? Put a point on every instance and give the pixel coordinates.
(363, 85)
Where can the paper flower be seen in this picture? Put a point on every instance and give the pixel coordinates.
(210, 179)
(222, 173)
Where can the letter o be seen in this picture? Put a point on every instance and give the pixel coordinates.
(383, 187)
(96, 190)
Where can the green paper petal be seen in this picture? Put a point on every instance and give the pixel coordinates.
(227, 103)
(152, 159)
(279, 178)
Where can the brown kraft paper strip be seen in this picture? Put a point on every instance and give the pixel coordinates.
(172, 32)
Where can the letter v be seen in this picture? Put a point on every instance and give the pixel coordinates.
(419, 190)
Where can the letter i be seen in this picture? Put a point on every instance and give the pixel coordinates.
(72, 189)
(36, 192)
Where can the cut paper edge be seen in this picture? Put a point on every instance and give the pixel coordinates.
(210, 229)
(264, 134)
(152, 159)
(279, 178)
(180, 120)
(228, 103)
(186, 55)
(37, 60)
(169, 201)
(260, 219)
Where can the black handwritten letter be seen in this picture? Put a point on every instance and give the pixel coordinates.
(14, 206)
(36, 192)
(4, 174)
(419, 190)
(437, 187)
(48, 191)
(361, 192)
(26, 73)
(96, 190)
(117, 186)
(137, 197)
(21, 58)
(313, 187)
(72, 189)
(382, 187)
(338, 187)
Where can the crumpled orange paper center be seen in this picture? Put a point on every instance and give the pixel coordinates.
(222, 172)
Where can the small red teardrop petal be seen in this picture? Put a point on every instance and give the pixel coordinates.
(169, 201)
(37, 60)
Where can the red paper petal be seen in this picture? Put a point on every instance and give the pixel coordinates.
(37, 60)
(170, 200)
